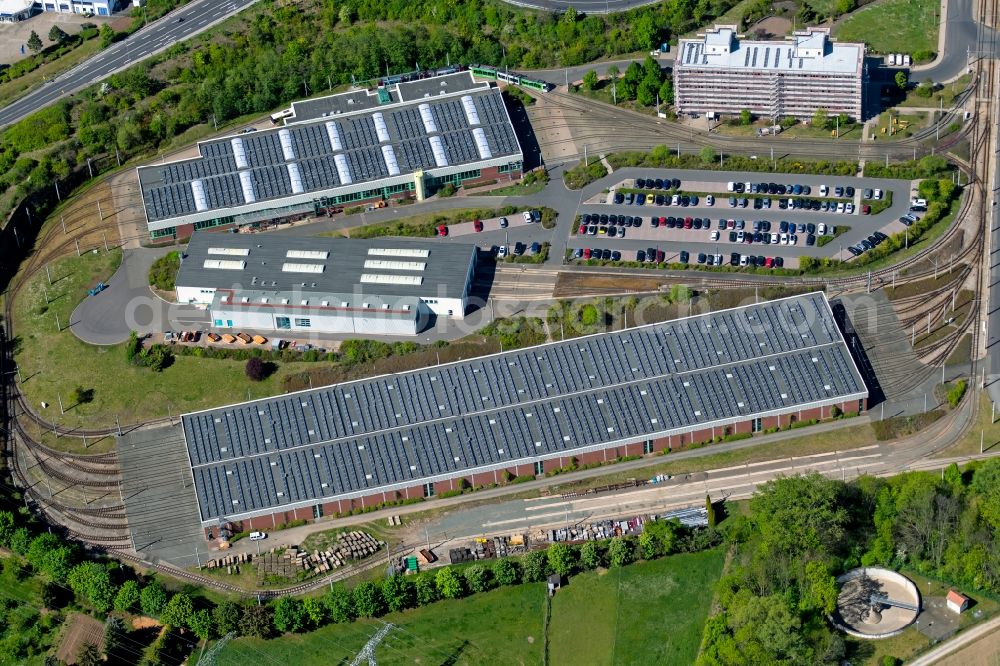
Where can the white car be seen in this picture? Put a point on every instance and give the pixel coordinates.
(744, 260)
(731, 186)
(741, 237)
(849, 209)
(675, 200)
(877, 195)
(774, 239)
(709, 200)
(840, 207)
(502, 252)
(527, 217)
(823, 190)
(821, 229)
(258, 536)
(714, 235)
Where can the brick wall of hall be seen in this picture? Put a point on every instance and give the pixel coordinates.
(489, 174)
(672, 442)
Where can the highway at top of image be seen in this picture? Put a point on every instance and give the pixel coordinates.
(161, 34)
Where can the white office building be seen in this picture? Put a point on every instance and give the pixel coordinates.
(718, 72)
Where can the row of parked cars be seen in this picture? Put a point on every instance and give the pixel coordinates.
(657, 183)
(799, 204)
(641, 199)
(516, 250)
(655, 255)
(869, 243)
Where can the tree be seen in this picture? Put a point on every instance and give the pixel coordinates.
(536, 566)
(820, 589)
(507, 571)
(479, 578)
(710, 510)
(592, 555)
(399, 592)
(115, 635)
(845, 6)
(800, 514)
(227, 616)
(746, 117)
(254, 369)
(7, 527)
(902, 80)
(986, 484)
(178, 611)
(707, 155)
(667, 91)
(620, 551)
(562, 559)
(152, 599)
(315, 611)
(127, 597)
(90, 581)
(49, 555)
(590, 80)
(612, 72)
(35, 42)
(133, 348)
(57, 34)
(202, 624)
(449, 584)
(88, 655)
(820, 118)
(289, 616)
(107, 34)
(256, 621)
(427, 592)
(340, 604)
(82, 396)
(765, 629)
(648, 89)
(368, 600)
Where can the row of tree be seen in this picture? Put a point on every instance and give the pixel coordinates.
(644, 84)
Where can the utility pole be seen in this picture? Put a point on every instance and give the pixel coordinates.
(90, 168)
(77, 241)
(100, 212)
(105, 235)
(59, 399)
(58, 196)
(62, 219)
(49, 276)
(58, 326)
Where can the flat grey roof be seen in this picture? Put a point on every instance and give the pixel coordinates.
(365, 99)
(342, 264)
(398, 431)
(315, 304)
(236, 173)
(807, 52)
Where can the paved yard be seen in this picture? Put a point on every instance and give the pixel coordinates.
(15, 35)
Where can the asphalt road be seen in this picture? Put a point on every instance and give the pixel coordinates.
(583, 6)
(964, 39)
(157, 36)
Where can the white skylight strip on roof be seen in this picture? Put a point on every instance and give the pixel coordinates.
(307, 254)
(240, 153)
(412, 280)
(200, 200)
(425, 113)
(389, 155)
(481, 143)
(438, 149)
(246, 182)
(380, 129)
(296, 178)
(343, 170)
(230, 251)
(226, 265)
(333, 134)
(286, 144)
(302, 268)
(399, 252)
(382, 264)
(471, 114)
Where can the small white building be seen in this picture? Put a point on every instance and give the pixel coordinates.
(90, 7)
(325, 285)
(957, 602)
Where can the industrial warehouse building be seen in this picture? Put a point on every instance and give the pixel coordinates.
(18, 10)
(592, 399)
(403, 140)
(723, 74)
(325, 285)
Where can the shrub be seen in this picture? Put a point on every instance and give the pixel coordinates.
(163, 272)
(254, 369)
(956, 392)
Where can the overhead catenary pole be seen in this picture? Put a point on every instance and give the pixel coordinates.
(77, 241)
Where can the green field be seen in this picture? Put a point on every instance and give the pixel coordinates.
(893, 26)
(54, 363)
(502, 627)
(647, 613)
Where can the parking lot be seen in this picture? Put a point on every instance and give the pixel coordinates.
(781, 216)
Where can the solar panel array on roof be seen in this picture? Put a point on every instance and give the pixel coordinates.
(313, 145)
(399, 430)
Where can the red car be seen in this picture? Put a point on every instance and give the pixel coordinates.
(660, 256)
(769, 263)
(866, 210)
(477, 225)
(688, 221)
(586, 253)
(582, 230)
(442, 230)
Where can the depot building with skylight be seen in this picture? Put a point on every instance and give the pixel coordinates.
(325, 285)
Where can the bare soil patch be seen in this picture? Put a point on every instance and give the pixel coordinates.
(80, 629)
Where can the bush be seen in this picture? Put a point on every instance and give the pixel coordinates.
(582, 175)
(956, 392)
(163, 272)
(254, 369)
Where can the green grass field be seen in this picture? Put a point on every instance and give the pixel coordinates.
(502, 627)
(52, 363)
(893, 26)
(647, 613)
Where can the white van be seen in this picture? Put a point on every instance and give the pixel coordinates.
(258, 536)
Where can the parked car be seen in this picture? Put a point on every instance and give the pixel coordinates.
(258, 536)
(504, 223)
(685, 256)
(502, 252)
(442, 230)
(709, 200)
(477, 225)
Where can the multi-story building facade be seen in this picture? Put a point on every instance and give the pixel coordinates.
(720, 73)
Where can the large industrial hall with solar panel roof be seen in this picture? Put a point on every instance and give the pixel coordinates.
(325, 285)
(399, 141)
(414, 434)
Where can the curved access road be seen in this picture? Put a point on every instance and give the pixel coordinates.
(964, 40)
(176, 26)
